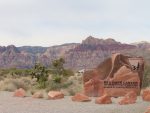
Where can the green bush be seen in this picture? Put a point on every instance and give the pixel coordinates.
(146, 78)
(68, 73)
(57, 79)
(41, 73)
(39, 78)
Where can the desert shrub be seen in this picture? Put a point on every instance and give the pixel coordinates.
(41, 85)
(66, 85)
(72, 86)
(57, 79)
(21, 72)
(51, 85)
(1, 78)
(77, 85)
(40, 78)
(146, 78)
(9, 84)
(68, 73)
(41, 73)
(59, 72)
(57, 66)
(4, 71)
(14, 73)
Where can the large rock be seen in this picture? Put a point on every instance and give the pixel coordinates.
(148, 110)
(105, 99)
(127, 79)
(146, 95)
(116, 76)
(55, 95)
(129, 98)
(38, 95)
(19, 93)
(94, 87)
(80, 98)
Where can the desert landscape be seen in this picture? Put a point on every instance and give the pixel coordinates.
(74, 56)
(37, 80)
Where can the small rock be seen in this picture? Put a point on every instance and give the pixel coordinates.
(105, 99)
(146, 95)
(38, 95)
(80, 98)
(55, 95)
(129, 98)
(148, 110)
(19, 93)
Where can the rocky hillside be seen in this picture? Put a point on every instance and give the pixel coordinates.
(93, 51)
(142, 45)
(33, 49)
(10, 56)
(85, 55)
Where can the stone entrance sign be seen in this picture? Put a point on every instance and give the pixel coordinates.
(116, 76)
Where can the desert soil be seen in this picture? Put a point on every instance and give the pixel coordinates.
(10, 104)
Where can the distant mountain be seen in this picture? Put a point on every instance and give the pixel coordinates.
(85, 55)
(55, 52)
(10, 56)
(142, 45)
(33, 49)
(93, 51)
(96, 41)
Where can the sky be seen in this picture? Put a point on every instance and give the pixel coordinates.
(54, 22)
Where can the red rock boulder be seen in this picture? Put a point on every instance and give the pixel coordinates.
(38, 95)
(105, 99)
(129, 98)
(80, 98)
(19, 93)
(125, 76)
(148, 110)
(94, 87)
(55, 95)
(146, 95)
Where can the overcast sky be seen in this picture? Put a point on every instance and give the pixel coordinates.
(51, 22)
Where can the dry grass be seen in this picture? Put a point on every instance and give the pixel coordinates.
(11, 84)
(75, 87)
(71, 86)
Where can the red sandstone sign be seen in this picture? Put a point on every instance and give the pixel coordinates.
(120, 84)
(115, 76)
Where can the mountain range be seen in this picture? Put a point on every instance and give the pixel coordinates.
(85, 55)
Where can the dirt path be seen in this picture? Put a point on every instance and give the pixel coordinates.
(9, 104)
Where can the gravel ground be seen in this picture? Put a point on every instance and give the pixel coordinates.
(10, 104)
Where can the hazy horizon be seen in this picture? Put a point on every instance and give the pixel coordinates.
(70, 43)
(48, 22)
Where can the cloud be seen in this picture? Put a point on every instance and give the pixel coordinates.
(49, 22)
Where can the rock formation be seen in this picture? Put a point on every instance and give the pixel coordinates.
(105, 99)
(129, 98)
(80, 98)
(55, 95)
(148, 110)
(146, 95)
(116, 76)
(85, 55)
(19, 93)
(38, 95)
